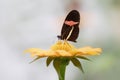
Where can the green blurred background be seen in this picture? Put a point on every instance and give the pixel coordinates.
(36, 23)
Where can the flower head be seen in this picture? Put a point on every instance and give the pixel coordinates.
(61, 53)
(63, 49)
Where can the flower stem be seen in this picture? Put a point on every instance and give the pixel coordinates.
(62, 70)
(60, 66)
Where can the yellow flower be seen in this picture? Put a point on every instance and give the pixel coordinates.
(61, 53)
(63, 49)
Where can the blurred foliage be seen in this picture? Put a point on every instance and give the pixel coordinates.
(109, 3)
(115, 3)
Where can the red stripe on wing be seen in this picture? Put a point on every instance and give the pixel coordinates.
(71, 23)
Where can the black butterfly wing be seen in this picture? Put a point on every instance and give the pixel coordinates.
(75, 17)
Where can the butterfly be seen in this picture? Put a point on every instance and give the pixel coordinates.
(70, 28)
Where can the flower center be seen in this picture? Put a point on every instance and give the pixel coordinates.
(62, 46)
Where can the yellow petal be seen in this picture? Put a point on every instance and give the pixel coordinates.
(36, 51)
(89, 51)
(63, 53)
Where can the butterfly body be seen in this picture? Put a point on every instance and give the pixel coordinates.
(70, 28)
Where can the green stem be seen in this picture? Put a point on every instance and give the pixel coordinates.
(60, 66)
(62, 71)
